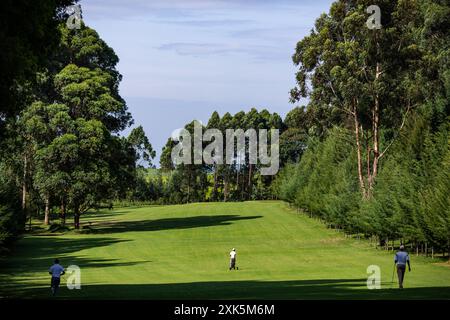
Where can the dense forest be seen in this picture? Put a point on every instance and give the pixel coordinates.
(368, 153)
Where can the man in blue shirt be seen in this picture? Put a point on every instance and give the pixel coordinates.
(401, 259)
(56, 270)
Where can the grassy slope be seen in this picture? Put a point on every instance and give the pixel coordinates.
(182, 252)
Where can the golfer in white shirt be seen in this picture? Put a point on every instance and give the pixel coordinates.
(233, 259)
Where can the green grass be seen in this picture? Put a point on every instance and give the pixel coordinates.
(181, 251)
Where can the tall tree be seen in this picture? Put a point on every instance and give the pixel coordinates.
(28, 35)
(214, 123)
(142, 146)
(365, 74)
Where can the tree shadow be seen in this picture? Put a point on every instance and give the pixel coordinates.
(329, 289)
(101, 214)
(167, 223)
(36, 254)
(33, 253)
(92, 215)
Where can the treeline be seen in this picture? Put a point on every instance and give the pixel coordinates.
(241, 180)
(60, 144)
(173, 184)
(379, 164)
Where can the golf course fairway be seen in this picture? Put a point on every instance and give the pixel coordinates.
(182, 252)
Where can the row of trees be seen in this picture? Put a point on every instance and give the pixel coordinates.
(216, 182)
(379, 163)
(224, 182)
(62, 147)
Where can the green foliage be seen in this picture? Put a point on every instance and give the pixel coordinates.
(68, 153)
(142, 146)
(88, 94)
(410, 200)
(227, 182)
(346, 70)
(12, 218)
(28, 36)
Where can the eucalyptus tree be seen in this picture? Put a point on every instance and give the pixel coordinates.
(362, 74)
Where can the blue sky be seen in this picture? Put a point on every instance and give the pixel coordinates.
(183, 59)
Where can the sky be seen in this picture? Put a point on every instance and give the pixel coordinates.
(183, 59)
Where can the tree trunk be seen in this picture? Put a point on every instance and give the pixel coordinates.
(76, 220)
(76, 217)
(225, 188)
(358, 150)
(24, 183)
(375, 123)
(376, 134)
(215, 183)
(189, 187)
(250, 173)
(243, 186)
(381, 242)
(369, 150)
(63, 213)
(47, 209)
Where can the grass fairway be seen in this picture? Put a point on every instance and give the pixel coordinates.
(181, 251)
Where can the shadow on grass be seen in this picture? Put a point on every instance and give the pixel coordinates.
(38, 227)
(55, 246)
(168, 223)
(296, 289)
(100, 214)
(38, 252)
(90, 215)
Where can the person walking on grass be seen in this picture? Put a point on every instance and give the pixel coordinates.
(401, 259)
(233, 259)
(56, 270)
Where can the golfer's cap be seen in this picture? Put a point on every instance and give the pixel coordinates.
(402, 247)
(234, 249)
